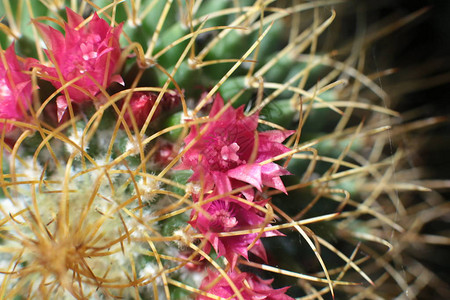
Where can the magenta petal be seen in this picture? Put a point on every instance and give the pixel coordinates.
(249, 194)
(217, 105)
(247, 173)
(23, 87)
(277, 136)
(215, 242)
(234, 250)
(99, 26)
(272, 169)
(117, 78)
(271, 173)
(61, 105)
(11, 60)
(221, 181)
(53, 37)
(258, 250)
(73, 19)
(276, 183)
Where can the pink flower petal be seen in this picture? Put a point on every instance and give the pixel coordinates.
(15, 89)
(73, 19)
(247, 173)
(250, 287)
(61, 105)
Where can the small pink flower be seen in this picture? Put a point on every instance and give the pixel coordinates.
(223, 155)
(165, 154)
(249, 285)
(227, 215)
(195, 264)
(15, 89)
(90, 52)
(141, 103)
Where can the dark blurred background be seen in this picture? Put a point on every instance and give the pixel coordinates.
(420, 89)
(419, 51)
(421, 48)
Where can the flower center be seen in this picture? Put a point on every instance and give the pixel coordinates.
(228, 153)
(221, 153)
(222, 220)
(89, 51)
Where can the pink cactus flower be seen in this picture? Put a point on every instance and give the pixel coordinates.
(250, 286)
(165, 154)
(223, 155)
(89, 52)
(15, 89)
(227, 215)
(141, 103)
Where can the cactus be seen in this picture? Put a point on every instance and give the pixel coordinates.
(172, 149)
